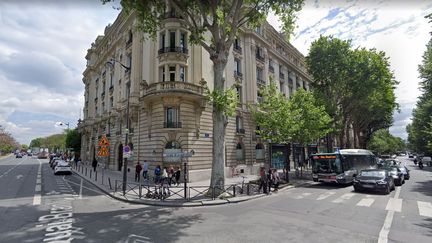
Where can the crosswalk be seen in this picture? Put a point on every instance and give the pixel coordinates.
(364, 200)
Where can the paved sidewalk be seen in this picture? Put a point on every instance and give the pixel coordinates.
(197, 193)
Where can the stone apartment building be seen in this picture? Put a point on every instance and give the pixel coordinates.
(163, 82)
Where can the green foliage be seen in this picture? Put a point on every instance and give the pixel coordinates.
(356, 86)
(299, 119)
(73, 140)
(7, 142)
(420, 130)
(52, 142)
(383, 142)
(223, 100)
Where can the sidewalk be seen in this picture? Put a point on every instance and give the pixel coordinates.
(197, 193)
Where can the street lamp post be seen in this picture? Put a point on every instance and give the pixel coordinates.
(125, 160)
(64, 123)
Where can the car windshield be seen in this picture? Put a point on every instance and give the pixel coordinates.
(326, 164)
(373, 173)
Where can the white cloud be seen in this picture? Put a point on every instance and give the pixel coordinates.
(42, 56)
(396, 27)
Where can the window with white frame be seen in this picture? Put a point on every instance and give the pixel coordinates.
(172, 73)
(239, 152)
(182, 74)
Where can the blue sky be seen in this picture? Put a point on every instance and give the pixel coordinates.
(43, 44)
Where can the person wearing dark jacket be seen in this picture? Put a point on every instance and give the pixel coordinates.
(94, 164)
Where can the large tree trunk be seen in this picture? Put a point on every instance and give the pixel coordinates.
(219, 125)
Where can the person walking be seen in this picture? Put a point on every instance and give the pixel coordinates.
(157, 174)
(275, 179)
(138, 169)
(164, 182)
(145, 169)
(177, 175)
(263, 180)
(269, 179)
(170, 173)
(94, 164)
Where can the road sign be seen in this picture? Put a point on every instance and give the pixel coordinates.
(104, 141)
(126, 151)
(103, 151)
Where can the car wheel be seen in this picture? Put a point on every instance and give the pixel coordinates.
(387, 190)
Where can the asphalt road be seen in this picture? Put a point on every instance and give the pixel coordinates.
(66, 210)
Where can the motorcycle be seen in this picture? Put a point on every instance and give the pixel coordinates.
(420, 165)
(415, 161)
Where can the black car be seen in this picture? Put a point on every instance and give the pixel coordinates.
(405, 172)
(374, 179)
(397, 174)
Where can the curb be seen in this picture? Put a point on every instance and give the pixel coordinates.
(186, 203)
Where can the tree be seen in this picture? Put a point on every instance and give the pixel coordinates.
(383, 142)
(36, 143)
(356, 87)
(298, 119)
(73, 140)
(7, 142)
(214, 26)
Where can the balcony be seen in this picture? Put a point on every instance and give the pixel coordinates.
(180, 89)
(261, 82)
(271, 69)
(238, 74)
(173, 49)
(172, 124)
(260, 58)
(237, 48)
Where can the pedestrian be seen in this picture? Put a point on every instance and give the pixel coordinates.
(157, 174)
(177, 175)
(138, 169)
(170, 173)
(164, 181)
(269, 179)
(263, 180)
(145, 169)
(94, 164)
(275, 179)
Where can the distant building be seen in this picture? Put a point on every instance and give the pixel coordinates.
(168, 112)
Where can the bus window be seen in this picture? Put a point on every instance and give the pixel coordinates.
(326, 164)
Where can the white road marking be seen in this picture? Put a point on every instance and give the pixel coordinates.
(81, 187)
(385, 230)
(38, 197)
(4, 174)
(304, 194)
(366, 202)
(325, 195)
(344, 197)
(425, 208)
(394, 204)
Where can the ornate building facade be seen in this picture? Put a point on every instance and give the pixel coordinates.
(162, 82)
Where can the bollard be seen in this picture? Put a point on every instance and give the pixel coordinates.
(95, 175)
(140, 191)
(115, 186)
(248, 189)
(234, 190)
(109, 182)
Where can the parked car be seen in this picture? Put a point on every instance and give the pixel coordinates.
(62, 167)
(374, 179)
(427, 161)
(397, 175)
(405, 172)
(18, 155)
(54, 162)
(410, 156)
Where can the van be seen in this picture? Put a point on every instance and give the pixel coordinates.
(427, 160)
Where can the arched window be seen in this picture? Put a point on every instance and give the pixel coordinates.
(259, 151)
(239, 152)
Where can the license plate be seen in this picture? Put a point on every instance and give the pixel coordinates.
(368, 186)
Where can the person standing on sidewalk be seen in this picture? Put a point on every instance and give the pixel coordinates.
(263, 180)
(145, 169)
(138, 169)
(177, 175)
(170, 173)
(275, 179)
(94, 164)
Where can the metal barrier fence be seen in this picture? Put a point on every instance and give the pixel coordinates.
(163, 192)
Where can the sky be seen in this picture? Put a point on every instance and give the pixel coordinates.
(43, 44)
